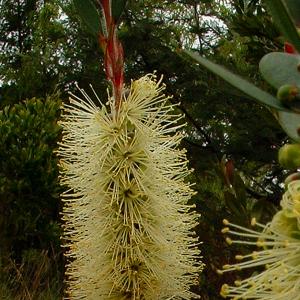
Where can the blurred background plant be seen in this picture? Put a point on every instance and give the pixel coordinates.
(232, 141)
(29, 193)
(281, 70)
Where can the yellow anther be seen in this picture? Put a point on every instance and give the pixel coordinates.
(260, 243)
(226, 267)
(224, 290)
(254, 255)
(220, 272)
(252, 283)
(225, 230)
(225, 222)
(238, 282)
(228, 241)
(253, 221)
(239, 257)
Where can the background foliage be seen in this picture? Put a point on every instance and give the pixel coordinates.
(232, 142)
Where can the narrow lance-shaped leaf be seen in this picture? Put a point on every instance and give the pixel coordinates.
(238, 82)
(107, 23)
(294, 9)
(283, 19)
(89, 14)
(117, 8)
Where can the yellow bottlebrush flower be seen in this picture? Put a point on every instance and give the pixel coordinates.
(278, 251)
(127, 223)
(291, 200)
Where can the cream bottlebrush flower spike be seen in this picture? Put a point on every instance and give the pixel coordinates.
(126, 220)
(278, 252)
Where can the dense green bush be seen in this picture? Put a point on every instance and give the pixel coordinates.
(29, 189)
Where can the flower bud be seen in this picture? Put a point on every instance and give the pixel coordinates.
(290, 178)
(289, 48)
(289, 156)
(289, 96)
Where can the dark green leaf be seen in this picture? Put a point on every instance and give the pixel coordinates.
(283, 19)
(262, 210)
(118, 7)
(232, 204)
(89, 14)
(239, 188)
(294, 9)
(240, 83)
(280, 68)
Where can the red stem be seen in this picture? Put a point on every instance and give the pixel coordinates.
(113, 54)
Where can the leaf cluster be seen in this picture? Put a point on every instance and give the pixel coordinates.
(29, 190)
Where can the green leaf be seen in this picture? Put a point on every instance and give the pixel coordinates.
(235, 208)
(117, 7)
(248, 88)
(294, 9)
(239, 188)
(89, 14)
(290, 123)
(263, 208)
(280, 68)
(283, 19)
(232, 204)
